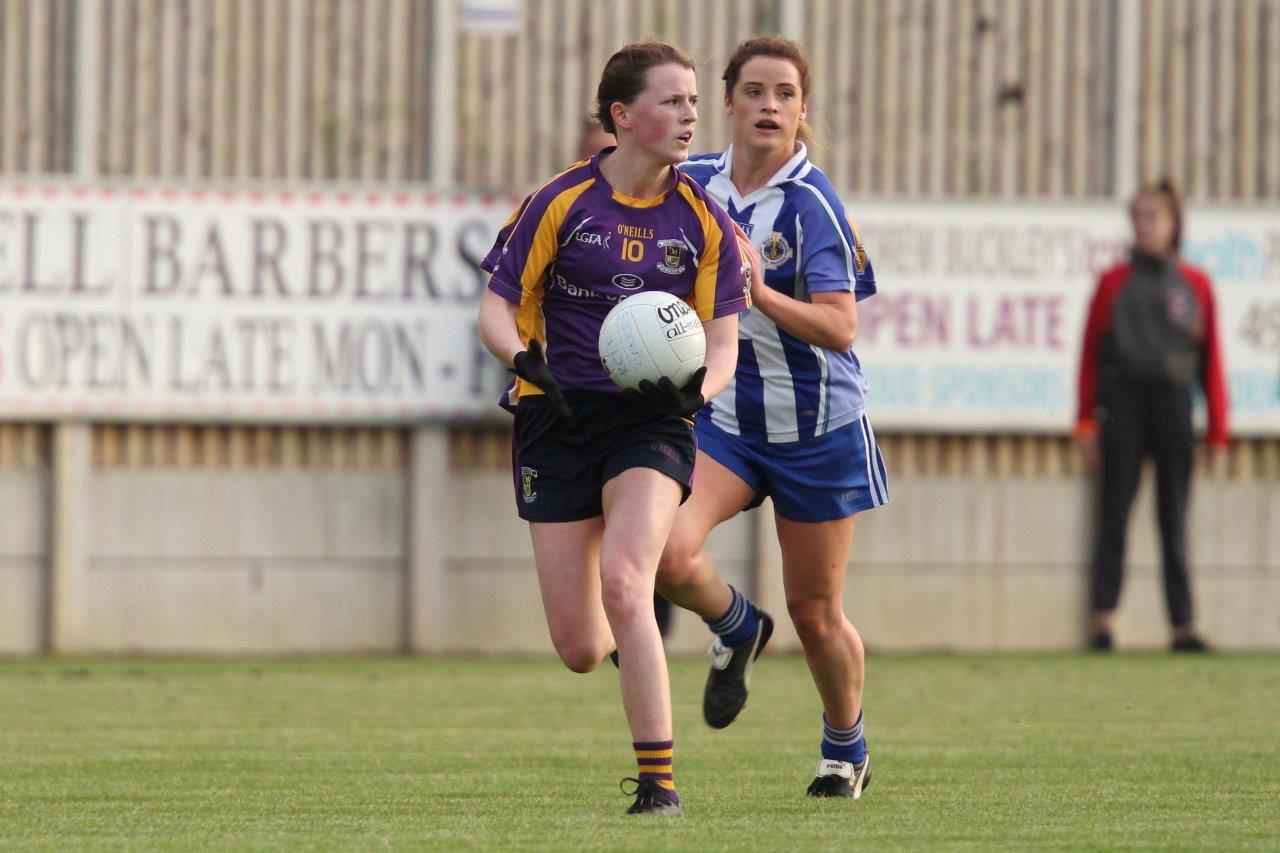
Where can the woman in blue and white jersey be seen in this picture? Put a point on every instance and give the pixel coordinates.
(792, 424)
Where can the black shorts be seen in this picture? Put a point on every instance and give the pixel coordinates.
(560, 467)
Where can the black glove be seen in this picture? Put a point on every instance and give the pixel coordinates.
(664, 396)
(531, 366)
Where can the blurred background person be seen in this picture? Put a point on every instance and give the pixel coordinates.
(594, 139)
(1150, 338)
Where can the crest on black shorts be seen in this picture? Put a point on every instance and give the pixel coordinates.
(527, 476)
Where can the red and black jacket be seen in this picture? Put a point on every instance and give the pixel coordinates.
(1211, 377)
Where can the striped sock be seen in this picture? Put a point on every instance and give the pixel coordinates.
(737, 624)
(654, 759)
(844, 744)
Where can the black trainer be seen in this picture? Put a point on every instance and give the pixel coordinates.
(1190, 643)
(1100, 641)
(651, 798)
(841, 779)
(726, 691)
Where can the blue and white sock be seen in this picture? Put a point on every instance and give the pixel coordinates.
(844, 744)
(737, 624)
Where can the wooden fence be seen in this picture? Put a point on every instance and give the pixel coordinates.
(914, 99)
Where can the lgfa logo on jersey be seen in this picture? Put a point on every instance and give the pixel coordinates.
(775, 250)
(672, 262)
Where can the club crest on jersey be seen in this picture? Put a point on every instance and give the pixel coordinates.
(527, 476)
(672, 262)
(859, 258)
(775, 250)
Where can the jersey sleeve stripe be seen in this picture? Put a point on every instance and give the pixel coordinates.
(545, 243)
(704, 288)
(835, 223)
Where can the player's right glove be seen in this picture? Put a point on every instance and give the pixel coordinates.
(531, 366)
(664, 396)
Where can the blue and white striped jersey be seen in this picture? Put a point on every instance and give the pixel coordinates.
(785, 389)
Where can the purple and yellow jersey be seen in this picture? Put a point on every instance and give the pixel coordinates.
(576, 247)
(784, 388)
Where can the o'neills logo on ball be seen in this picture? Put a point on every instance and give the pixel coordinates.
(673, 312)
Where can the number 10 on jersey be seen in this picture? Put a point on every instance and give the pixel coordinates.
(632, 250)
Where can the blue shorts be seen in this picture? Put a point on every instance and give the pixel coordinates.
(818, 479)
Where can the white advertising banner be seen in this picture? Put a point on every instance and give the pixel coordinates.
(150, 303)
(147, 303)
(980, 312)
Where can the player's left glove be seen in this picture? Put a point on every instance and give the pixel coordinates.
(531, 365)
(664, 396)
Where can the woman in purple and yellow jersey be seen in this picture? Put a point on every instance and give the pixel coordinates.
(599, 476)
(792, 425)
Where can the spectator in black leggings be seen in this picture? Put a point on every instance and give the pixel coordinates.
(1151, 337)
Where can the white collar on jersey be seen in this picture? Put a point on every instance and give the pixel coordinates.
(794, 169)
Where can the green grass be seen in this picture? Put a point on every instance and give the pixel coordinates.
(988, 751)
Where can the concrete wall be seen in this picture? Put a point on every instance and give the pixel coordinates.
(24, 502)
(427, 554)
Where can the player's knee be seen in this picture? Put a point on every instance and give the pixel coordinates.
(816, 620)
(579, 656)
(679, 562)
(625, 594)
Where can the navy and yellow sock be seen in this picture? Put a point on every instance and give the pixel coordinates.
(844, 744)
(737, 624)
(654, 759)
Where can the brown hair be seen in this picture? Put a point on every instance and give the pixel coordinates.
(779, 48)
(1167, 191)
(623, 75)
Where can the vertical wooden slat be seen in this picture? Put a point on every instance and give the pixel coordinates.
(171, 91)
(1056, 99)
(297, 125)
(984, 94)
(198, 65)
(320, 90)
(838, 76)
(146, 79)
(869, 140)
(397, 91)
(890, 99)
(1150, 98)
(344, 131)
(371, 129)
(247, 55)
(1175, 90)
(961, 92)
(913, 127)
(1247, 32)
(11, 41)
(499, 98)
(63, 69)
(1201, 118)
(420, 143)
(939, 59)
(117, 113)
(39, 77)
(274, 68)
(1223, 134)
(543, 97)
(1010, 108)
(1271, 105)
(1033, 109)
(573, 106)
(1083, 86)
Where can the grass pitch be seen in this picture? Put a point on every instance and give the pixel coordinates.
(1021, 752)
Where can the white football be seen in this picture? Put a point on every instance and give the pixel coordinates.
(651, 335)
